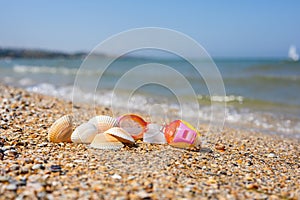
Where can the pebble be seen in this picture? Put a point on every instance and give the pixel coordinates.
(11, 187)
(37, 166)
(11, 152)
(14, 167)
(116, 176)
(79, 161)
(220, 147)
(4, 178)
(55, 168)
(271, 155)
(143, 194)
(5, 148)
(252, 186)
(44, 144)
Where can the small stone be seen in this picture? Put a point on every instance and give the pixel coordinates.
(35, 186)
(41, 195)
(6, 148)
(116, 176)
(187, 188)
(44, 144)
(271, 155)
(11, 187)
(79, 161)
(14, 167)
(37, 166)
(28, 160)
(220, 147)
(10, 152)
(4, 178)
(252, 186)
(22, 183)
(24, 170)
(55, 168)
(143, 194)
(131, 178)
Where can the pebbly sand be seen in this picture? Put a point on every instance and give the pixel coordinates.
(231, 164)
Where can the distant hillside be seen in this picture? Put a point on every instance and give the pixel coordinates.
(32, 53)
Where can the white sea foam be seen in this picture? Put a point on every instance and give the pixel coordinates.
(230, 98)
(239, 118)
(46, 70)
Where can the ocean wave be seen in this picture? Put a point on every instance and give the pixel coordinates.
(275, 66)
(280, 77)
(229, 98)
(44, 69)
(58, 70)
(236, 117)
(250, 79)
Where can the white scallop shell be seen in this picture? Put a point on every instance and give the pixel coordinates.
(103, 122)
(84, 133)
(154, 135)
(106, 142)
(122, 135)
(61, 130)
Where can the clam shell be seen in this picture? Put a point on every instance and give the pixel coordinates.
(122, 135)
(103, 122)
(61, 130)
(154, 135)
(84, 133)
(106, 142)
(133, 124)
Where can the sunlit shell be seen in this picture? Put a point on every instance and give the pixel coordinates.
(103, 122)
(106, 142)
(133, 124)
(61, 130)
(170, 130)
(122, 135)
(154, 135)
(84, 133)
(181, 134)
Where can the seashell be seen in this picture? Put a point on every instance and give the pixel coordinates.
(103, 122)
(106, 142)
(181, 134)
(154, 135)
(133, 124)
(84, 133)
(122, 135)
(61, 130)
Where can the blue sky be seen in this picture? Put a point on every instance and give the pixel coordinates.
(224, 28)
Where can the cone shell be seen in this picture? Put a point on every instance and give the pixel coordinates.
(84, 133)
(103, 122)
(106, 142)
(122, 135)
(61, 130)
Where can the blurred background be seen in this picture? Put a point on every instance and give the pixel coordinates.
(254, 44)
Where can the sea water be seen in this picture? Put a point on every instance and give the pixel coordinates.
(261, 94)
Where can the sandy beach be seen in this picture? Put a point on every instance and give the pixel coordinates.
(231, 164)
